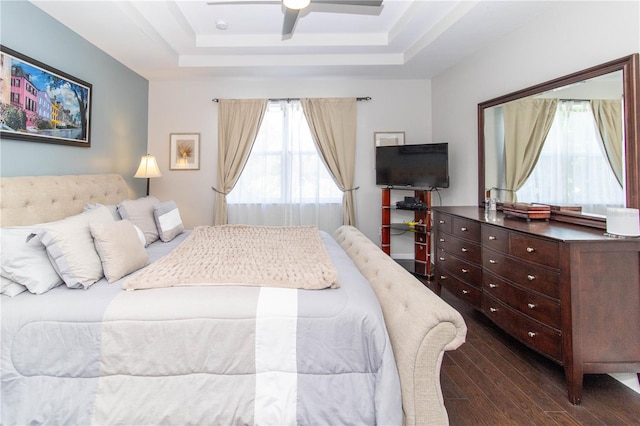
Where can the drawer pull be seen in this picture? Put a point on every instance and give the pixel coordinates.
(465, 291)
(530, 249)
(464, 250)
(531, 277)
(531, 334)
(443, 277)
(531, 305)
(493, 310)
(464, 271)
(493, 262)
(463, 229)
(442, 240)
(441, 222)
(441, 258)
(492, 237)
(492, 285)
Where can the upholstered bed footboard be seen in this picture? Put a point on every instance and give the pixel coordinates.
(421, 327)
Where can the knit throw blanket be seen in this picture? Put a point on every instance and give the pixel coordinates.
(271, 256)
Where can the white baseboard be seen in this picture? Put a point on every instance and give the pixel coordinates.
(628, 379)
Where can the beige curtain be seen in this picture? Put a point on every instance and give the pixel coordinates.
(608, 116)
(238, 124)
(333, 125)
(526, 125)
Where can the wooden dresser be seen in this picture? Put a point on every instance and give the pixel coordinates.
(566, 291)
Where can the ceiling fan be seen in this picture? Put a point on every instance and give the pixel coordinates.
(292, 8)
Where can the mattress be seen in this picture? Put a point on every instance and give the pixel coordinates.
(200, 354)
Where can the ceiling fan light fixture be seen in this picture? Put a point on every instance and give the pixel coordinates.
(296, 4)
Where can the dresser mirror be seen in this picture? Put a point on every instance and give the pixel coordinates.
(616, 82)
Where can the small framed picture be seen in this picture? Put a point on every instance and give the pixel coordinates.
(184, 151)
(388, 138)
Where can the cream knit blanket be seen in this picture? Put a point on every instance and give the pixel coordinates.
(271, 256)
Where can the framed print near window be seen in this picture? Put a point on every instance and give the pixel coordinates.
(388, 138)
(184, 151)
(42, 104)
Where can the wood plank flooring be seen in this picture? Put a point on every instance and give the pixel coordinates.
(494, 380)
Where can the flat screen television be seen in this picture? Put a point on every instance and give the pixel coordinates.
(424, 166)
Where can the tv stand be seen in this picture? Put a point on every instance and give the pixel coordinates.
(421, 264)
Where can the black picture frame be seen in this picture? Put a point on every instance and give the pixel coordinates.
(42, 104)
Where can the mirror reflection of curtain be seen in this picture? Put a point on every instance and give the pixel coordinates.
(526, 125)
(238, 124)
(608, 116)
(572, 168)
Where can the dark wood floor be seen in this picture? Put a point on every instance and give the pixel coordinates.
(494, 380)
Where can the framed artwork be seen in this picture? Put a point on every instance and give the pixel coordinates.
(42, 104)
(184, 151)
(388, 138)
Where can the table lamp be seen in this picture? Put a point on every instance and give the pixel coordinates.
(148, 168)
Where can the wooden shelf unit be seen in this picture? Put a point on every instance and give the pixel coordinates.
(422, 234)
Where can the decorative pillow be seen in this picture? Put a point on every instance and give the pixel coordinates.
(119, 248)
(10, 288)
(168, 220)
(71, 250)
(140, 213)
(25, 260)
(113, 209)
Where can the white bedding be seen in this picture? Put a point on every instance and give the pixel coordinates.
(205, 355)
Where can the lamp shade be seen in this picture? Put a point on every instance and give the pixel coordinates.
(148, 167)
(296, 4)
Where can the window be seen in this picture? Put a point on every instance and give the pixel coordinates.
(573, 152)
(285, 181)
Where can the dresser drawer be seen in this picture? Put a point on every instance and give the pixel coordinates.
(442, 222)
(538, 307)
(532, 333)
(465, 271)
(536, 250)
(495, 238)
(464, 249)
(466, 228)
(524, 274)
(459, 288)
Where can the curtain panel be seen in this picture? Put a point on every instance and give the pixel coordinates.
(608, 116)
(238, 123)
(526, 125)
(333, 125)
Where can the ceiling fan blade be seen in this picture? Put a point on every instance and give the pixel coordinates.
(290, 19)
(374, 3)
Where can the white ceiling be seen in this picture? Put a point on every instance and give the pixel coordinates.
(401, 39)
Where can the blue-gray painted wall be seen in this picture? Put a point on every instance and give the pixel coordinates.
(119, 101)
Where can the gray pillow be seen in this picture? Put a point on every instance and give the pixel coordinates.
(168, 220)
(140, 213)
(121, 251)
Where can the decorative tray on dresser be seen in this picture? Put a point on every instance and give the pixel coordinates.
(566, 291)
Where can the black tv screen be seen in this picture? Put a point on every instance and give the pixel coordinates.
(422, 166)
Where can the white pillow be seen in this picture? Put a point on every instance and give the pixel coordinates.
(168, 220)
(71, 250)
(140, 213)
(25, 260)
(119, 248)
(10, 288)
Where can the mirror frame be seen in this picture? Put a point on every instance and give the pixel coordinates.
(631, 93)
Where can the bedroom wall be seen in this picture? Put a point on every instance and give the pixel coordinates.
(119, 104)
(572, 37)
(186, 107)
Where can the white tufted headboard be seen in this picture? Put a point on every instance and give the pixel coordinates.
(27, 200)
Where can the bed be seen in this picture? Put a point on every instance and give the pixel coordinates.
(367, 352)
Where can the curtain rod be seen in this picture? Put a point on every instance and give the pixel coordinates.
(366, 98)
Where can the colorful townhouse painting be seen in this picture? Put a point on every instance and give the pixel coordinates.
(42, 104)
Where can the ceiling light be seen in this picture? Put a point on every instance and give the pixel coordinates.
(296, 4)
(221, 25)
